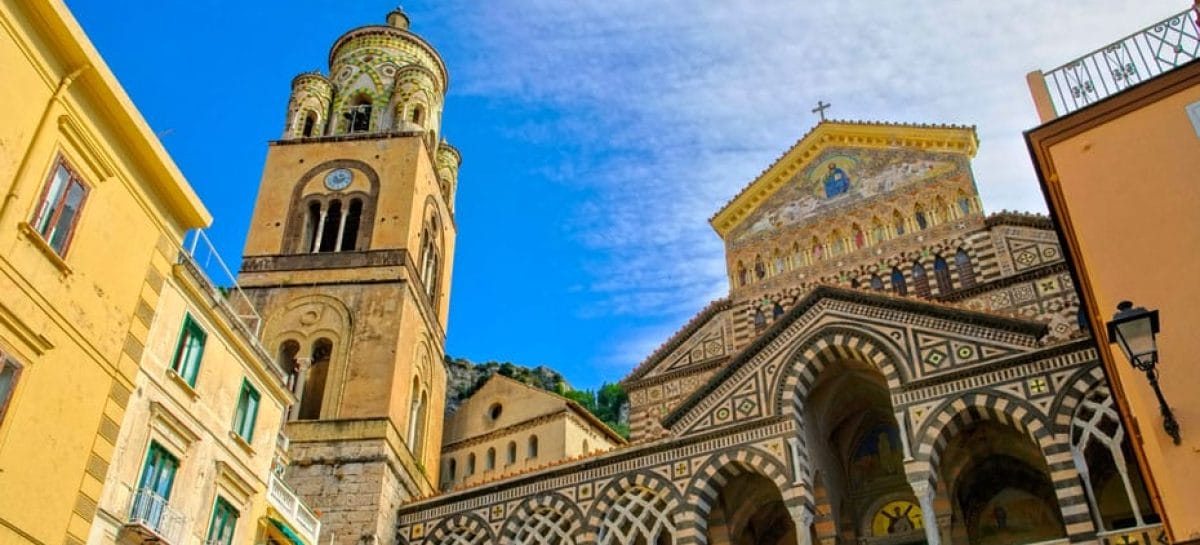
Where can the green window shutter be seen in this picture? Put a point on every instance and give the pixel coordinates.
(224, 522)
(158, 475)
(189, 350)
(247, 411)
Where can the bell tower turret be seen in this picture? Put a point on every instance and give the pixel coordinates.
(348, 261)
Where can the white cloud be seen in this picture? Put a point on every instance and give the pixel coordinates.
(690, 100)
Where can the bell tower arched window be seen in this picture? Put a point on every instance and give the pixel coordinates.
(310, 124)
(313, 389)
(332, 227)
(358, 115)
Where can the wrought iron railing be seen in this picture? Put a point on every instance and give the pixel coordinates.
(1138, 57)
(293, 509)
(152, 512)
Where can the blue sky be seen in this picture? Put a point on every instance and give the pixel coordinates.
(599, 136)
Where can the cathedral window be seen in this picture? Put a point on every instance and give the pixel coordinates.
(854, 283)
(490, 461)
(760, 319)
(452, 468)
(533, 446)
(899, 285)
(898, 222)
(418, 115)
(742, 275)
(919, 217)
(358, 115)
(778, 263)
(777, 311)
(876, 282)
(470, 465)
(966, 272)
(512, 453)
(818, 251)
(310, 124)
(760, 270)
(964, 205)
(920, 281)
(860, 239)
(941, 272)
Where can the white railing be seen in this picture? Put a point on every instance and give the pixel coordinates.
(200, 250)
(1143, 55)
(292, 507)
(152, 512)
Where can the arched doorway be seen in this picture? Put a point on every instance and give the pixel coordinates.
(749, 510)
(857, 452)
(999, 488)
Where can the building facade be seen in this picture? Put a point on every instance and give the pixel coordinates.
(509, 427)
(74, 322)
(348, 260)
(891, 366)
(200, 450)
(1115, 157)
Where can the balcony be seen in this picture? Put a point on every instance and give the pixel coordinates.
(1141, 56)
(293, 511)
(152, 520)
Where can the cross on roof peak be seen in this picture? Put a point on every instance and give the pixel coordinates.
(820, 109)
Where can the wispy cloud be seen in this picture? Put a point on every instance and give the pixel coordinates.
(683, 103)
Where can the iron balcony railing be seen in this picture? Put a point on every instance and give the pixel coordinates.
(1138, 57)
(152, 512)
(293, 509)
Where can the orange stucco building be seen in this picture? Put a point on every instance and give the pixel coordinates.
(1118, 166)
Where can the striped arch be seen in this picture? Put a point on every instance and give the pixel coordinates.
(1069, 397)
(634, 486)
(546, 519)
(828, 345)
(708, 481)
(461, 529)
(957, 413)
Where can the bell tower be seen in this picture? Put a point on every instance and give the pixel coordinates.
(348, 262)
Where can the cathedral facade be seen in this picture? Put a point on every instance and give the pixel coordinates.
(891, 364)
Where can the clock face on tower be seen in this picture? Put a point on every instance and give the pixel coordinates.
(338, 179)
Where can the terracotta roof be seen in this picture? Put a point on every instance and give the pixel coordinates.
(699, 320)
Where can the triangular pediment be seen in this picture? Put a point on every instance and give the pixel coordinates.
(911, 341)
(840, 164)
(705, 339)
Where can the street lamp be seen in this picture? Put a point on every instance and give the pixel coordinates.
(1133, 329)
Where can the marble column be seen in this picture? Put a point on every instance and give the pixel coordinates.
(302, 365)
(924, 490)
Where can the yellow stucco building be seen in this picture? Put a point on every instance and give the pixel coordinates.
(74, 322)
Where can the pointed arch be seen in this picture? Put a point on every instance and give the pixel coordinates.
(966, 271)
(941, 273)
(899, 284)
(920, 280)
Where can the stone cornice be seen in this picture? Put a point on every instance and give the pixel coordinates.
(938, 138)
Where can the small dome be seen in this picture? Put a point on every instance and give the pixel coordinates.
(398, 19)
